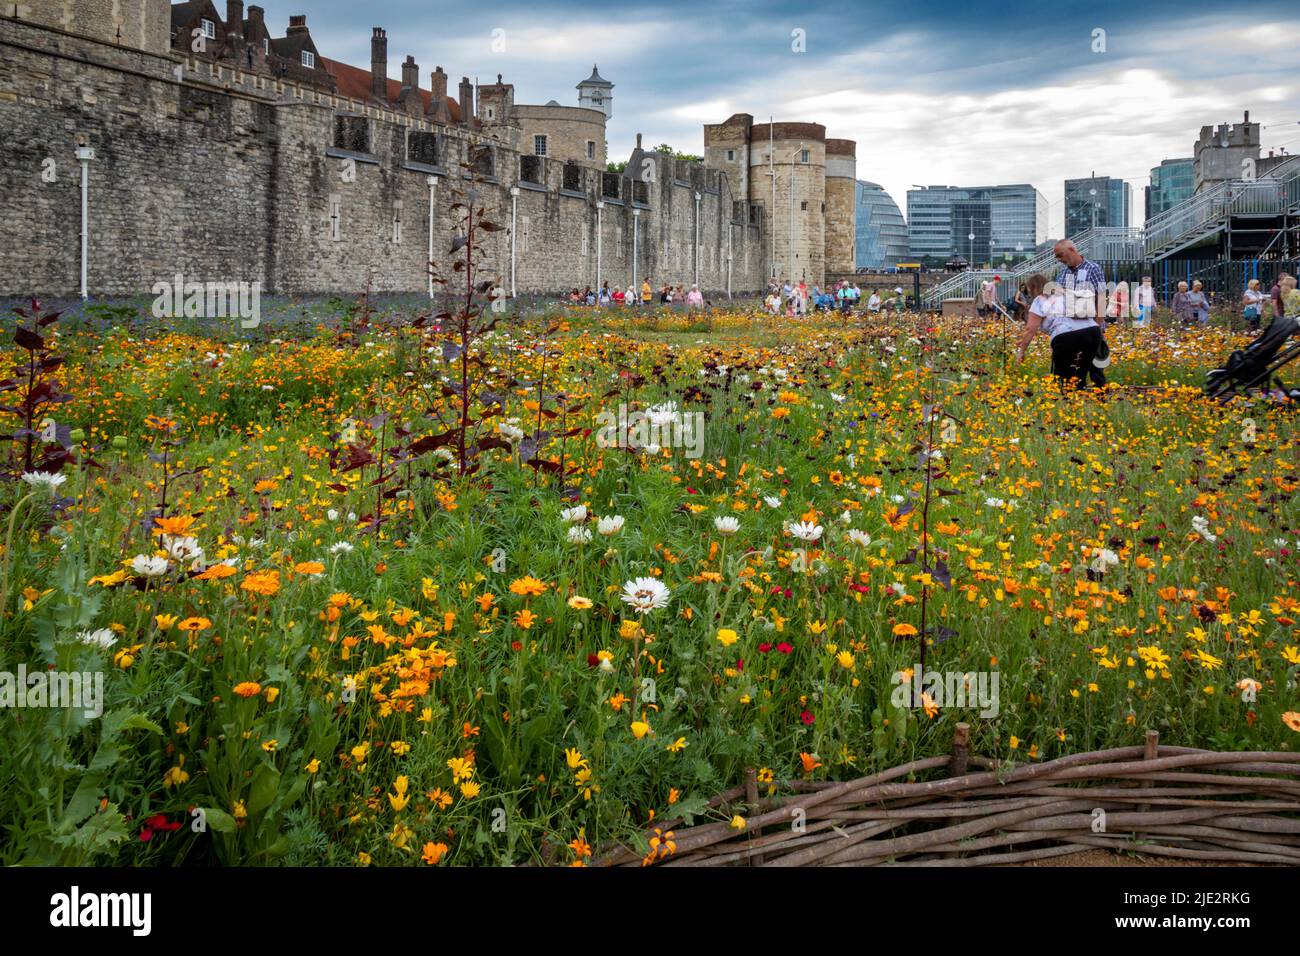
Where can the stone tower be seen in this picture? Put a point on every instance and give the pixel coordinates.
(783, 168)
(841, 204)
(1219, 153)
(596, 93)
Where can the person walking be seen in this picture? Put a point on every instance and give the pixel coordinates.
(1181, 305)
(646, 293)
(694, 299)
(1145, 302)
(1199, 304)
(873, 303)
(1021, 303)
(1074, 340)
(1252, 305)
(1083, 284)
(1275, 294)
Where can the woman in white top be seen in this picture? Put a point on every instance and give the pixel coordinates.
(1145, 302)
(1252, 304)
(1074, 340)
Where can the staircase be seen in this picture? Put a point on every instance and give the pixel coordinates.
(1196, 220)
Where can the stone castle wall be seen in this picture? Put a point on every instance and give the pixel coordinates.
(227, 177)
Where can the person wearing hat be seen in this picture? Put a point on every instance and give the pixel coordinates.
(1075, 341)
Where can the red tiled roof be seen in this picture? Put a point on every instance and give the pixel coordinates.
(354, 83)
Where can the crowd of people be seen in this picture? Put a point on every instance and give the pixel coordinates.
(645, 296)
(799, 298)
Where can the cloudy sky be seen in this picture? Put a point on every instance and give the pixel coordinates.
(933, 92)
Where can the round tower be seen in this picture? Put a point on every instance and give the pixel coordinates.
(841, 201)
(787, 174)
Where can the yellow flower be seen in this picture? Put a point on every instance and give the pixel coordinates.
(313, 765)
(461, 769)
(239, 810)
(469, 789)
(677, 745)
(737, 822)
(579, 603)
(271, 694)
(574, 758)
(727, 637)
(640, 728)
(164, 621)
(904, 630)
(175, 777)
(845, 660)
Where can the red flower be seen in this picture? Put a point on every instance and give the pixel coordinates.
(740, 663)
(516, 646)
(593, 660)
(785, 648)
(807, 717)
(764, 648)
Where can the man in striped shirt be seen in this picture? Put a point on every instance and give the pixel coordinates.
(1084, 285)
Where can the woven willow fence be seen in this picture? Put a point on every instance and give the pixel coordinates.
(1155, 800)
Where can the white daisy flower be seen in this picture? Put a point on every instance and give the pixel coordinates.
(611, 525)
(645, 594)
(806, 530)
(44, 479)
(578, 535)
(994, 503)
(772, 501)
(1104, 559)
(726, 524)
(102, 638)
(574, 515)
(341, 547)
(149, 566)
(860, 538)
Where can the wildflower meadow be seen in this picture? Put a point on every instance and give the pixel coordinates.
(392, 585)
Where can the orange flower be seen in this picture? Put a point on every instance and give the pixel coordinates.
(904, 630)
(1292, 719)
(194, 624)
(434, 852)
(178, 525)
(266, 583)
(309, 567)
(249, 688)
(525, 619)
(216, 573)
(528, 586)
(809, 761)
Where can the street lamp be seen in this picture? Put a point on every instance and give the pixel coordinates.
(1093, 193)
(790, 262)
(600, 207)
(84, 155)
(514, 211)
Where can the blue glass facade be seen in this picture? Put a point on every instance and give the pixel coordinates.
(881, 239)
(1172, 182)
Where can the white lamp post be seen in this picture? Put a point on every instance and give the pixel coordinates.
(636, 218)
(514, 218)
(85, 154)
(698, 197)
(600, 207)
(433, 182)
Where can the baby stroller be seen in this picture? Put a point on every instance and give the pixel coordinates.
(1253, 366)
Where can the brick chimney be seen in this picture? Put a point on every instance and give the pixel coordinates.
(256, 15)
(234, 18)
(410, 74)
(297, 24)
(379, 64)
(438, 85)
(466, 99)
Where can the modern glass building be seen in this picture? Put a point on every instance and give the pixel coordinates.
(881, 229)
(1096, 201)
(1005, 221)
(1173, 181)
